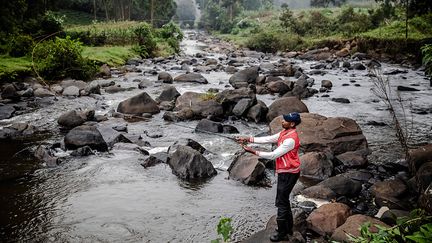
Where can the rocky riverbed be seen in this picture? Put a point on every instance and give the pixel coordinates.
(131, 156)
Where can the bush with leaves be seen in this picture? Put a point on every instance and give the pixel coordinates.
(224, 229)
(427, 60)
(351, 22)
(60, 58)
(172, 34)
(146, 40)
(417, 227)
(20, 45)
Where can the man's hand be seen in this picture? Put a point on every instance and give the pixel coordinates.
(242, 140)
(249, 149)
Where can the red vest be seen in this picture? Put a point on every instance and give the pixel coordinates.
(289, 162)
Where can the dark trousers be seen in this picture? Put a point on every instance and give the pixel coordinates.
(284, 218)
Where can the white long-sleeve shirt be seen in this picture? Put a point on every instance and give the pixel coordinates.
(286, 146)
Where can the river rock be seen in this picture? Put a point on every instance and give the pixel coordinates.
(352, 227)
(154, 159)
(187, 142)
(9, 92)
(424, 176)
(105, 71)
(417, 157)
(209, 126)
(242, 106)
(111, 136)
(70, 82)
(320, 192)
(6, 111)
(326, 84)
(93, 88)
(71, 91)
(114, 89)
(130, 147)
(189, 164)
(246, 168)
(353, 159)
(165, 77)
(44, 154)
(390, 188)
(85, 136)
(26, 93)
(71, 119)
(169, 93)
(405, 88)
(342, 185)
(317, 133)
(195, 104)
(83, 151)
(302, 88)
(341, 100)
(389, 216)
(359, 66)
(258, 112)
(316, 165)
(325, 219)
(138, 105)
(284, 106)
(287, 71)
(191, 78)
(278, 87)
(42, 92)
(243, 78)
(230, 98)
(229, 129)
(317, 54)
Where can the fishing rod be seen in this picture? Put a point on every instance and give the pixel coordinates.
(208, 132)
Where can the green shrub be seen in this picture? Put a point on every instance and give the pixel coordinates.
(417, 227)
(265, 41)
(349, 22)
(172, 34)
(427, 59)
(146, 41)
(20, 45)
(60, 58)
(224, 229)
(45, 25)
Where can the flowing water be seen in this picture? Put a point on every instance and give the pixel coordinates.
(110, 197)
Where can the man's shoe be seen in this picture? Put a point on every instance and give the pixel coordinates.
(278, 237)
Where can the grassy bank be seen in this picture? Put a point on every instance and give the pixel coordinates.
(299, 30)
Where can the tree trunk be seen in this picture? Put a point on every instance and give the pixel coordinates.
(94, 9)
(152, 12)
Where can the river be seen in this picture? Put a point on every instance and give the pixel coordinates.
(110, 197)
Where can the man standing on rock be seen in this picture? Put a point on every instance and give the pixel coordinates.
(287, 168)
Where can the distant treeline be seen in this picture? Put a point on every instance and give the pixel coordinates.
(25, 15)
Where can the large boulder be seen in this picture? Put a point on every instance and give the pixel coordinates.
(229, 98)
(85, 136)
(189, 164)
(242, 106)
(6, 111)
(287, 71)
(138, 105)
(421, 155)
(258, 112)
(206, 125)
(247, 168)
(243, 78)
(70, 82)
(45, 155)
(191, 78)
(279, 87)
(390, 194)
(317, 133)
(325, 219)
(302, 88)
(9, 92)
(340, 185)
(165, 77)
(187, 142)
(71, 119)
(169, 93)
(111, 136)
(198, 105)
(354, 159)
(284, 106)
(352, 227)
(316, 165)
(424, 176)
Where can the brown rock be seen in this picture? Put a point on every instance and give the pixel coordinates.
(284, 106)
(247, 169)
(352, 227)
(325, 219)
(317, 133)
(421, 155)
(317, 165)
